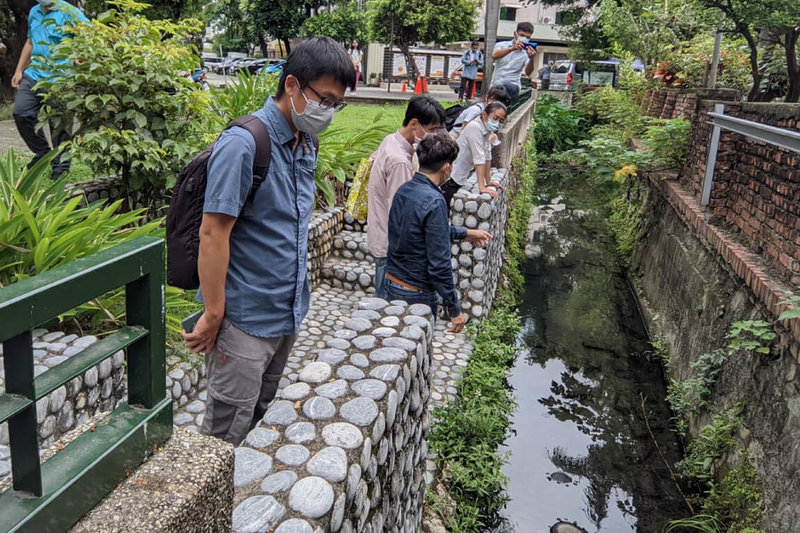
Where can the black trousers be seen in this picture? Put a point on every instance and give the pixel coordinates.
(27, 105)
(466, 84)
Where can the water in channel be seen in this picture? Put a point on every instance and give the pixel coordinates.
(590, 390)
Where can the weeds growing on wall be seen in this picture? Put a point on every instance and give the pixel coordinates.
(466, 435)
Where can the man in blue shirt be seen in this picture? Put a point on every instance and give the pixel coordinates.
(49, 22)
(252, 258)
(472, 60)
(418, 264)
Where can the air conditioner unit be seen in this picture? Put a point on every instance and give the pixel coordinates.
(546, 20)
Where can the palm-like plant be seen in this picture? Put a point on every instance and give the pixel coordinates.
(43, 227)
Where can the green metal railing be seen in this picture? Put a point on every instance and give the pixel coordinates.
(55, 495)
(523, 96)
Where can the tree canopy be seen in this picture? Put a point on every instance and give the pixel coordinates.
(404, 23)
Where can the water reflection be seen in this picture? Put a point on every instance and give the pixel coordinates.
(588, 389)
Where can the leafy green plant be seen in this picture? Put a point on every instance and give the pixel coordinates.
(467, 434)
(667, 143)
(612, 113)
(626, 224)
(793, 311)
(243, 96)
(750, 336)
(715, 440)
(556, 127)
(601, 157)
(340, 152)
(138, 116)
(736, 500)
(42, 228)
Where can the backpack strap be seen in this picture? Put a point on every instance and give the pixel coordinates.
(263, 155)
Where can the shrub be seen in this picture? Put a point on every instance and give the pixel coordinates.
(612, 113)
(138, 116)
(556, 127)
(667, 142)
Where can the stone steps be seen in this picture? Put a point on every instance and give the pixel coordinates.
(348, 274)
(351, 245)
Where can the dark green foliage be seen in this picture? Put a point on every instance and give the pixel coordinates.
(736, 500)
(466, 435)
(556, 127)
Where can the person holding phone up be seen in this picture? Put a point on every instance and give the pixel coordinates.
(512, 58)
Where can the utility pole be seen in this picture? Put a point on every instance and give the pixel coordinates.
(490, 38)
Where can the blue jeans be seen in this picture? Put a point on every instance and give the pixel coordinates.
(397, 292)
(380, 278)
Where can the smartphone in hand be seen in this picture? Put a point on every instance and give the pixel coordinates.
(189, 322)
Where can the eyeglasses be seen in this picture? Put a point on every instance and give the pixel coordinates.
(326, 102)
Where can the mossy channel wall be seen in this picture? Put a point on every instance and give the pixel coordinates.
(697, 271)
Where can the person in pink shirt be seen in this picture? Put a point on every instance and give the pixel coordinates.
(391, 168)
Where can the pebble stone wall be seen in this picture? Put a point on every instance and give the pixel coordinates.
(344, 447)
(101, 388)
(323, 227)
(477, 270)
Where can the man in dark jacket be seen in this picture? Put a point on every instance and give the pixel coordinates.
(418, 262)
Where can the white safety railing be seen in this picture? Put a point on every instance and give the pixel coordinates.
(784, 138)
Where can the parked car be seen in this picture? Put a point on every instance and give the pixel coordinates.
(274, 66)
(455, 79)
(254, 65)
(211, 63)
(567, 73)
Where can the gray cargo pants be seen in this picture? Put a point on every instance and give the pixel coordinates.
(243, 374)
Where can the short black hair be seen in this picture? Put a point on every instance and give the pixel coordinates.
(315, 58)
(473, 43)
(435, 151)
(527, 27)
(495, 106)
(498, 93)
(426, 110)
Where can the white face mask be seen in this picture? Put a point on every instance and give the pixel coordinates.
(523, 39)
(314, 119)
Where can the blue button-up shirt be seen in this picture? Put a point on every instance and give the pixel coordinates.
(45, 30)
(266, 290)
(419, 240)
(470, 70)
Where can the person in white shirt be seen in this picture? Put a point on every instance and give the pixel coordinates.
(497, 93)
(475, 152)
(512, 58)
(356, 55)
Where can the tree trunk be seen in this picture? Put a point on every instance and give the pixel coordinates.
(14, 41)
(287, 46)
(262, 43)
(411, 65)
(793, 69)
(755, 72)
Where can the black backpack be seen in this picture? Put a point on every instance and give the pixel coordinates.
(186, 206)
(451, 114)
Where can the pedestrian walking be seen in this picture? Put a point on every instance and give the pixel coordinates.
(472, 60)
(49, 23)
(356, 55)
(419, 268)
(253, 252)
(512, 58)
(544, 74)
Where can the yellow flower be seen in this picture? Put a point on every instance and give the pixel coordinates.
(625, 172)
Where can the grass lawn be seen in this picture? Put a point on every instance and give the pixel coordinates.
(356, 117)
